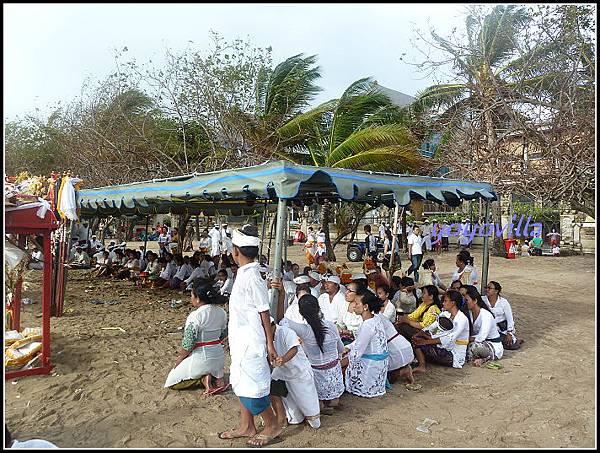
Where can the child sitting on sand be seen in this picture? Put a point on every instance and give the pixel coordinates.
(293, 391)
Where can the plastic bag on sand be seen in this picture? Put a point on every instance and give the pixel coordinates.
(426, 424)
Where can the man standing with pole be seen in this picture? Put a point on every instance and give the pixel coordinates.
(251, 343)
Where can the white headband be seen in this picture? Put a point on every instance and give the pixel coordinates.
(242, 240)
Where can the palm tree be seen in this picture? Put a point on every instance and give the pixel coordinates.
(361, 130)
(281, 95)
(493, 81)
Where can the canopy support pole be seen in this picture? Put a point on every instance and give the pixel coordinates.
(146, 235)
(404, 230)
(287, 234)
(263, 230)
(394, 241)
(486, 250)
(281, 217)
(272, 227)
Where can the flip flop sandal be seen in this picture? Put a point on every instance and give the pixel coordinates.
(493, 366)
(238, 436)
(269, 440)
(217, 390)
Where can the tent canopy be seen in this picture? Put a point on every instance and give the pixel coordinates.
(244, 190)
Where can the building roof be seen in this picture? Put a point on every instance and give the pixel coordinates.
(396, 97)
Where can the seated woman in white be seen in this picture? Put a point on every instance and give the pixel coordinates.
(485, 342)
(503, 315)
(444, 346)
(202, 357)
(388, 309)
(323, 347)
(400, 350)
(465, 270)
(429, 276)
(367, 360)
(350, 321)
(102, 266)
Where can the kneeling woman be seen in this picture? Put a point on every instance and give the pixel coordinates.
(201, 357)
(368, 354)
(485, 344)
(446, 347)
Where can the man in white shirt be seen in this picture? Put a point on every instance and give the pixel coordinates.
(144, 262)
(203, 270)
(225, 282)
(215, 241)
(315, 283)
(163, 242)
(464, 240)
(37, 259)
(415, 252)
(251, 343)
(95, 242)
(225, 249)
(289, 305)
(332, 302)
(445, 235)
(81, 259)
(370, 243)
(382, 231)
(169, 270)
(98, 252)
(112, 245)
(204, 245)
(183, 272)
(426, 230)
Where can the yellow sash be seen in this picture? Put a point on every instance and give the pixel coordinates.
(462, 342)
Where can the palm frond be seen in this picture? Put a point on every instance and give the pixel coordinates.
(369, 138)
(262, 81)
(305, 125)
(437, 96)
(359, 101)
(394, 159)
(498, 37)
(291, 86)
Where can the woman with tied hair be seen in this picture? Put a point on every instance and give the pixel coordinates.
(447, 347)
(388, 309)
(201, 357)
(503, 315)
(485, 342)
(429, 275)
(400, 350)
(323, 347)
(465, 270)
(350, 321)
(368, 355)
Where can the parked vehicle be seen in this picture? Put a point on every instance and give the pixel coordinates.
(356, 251)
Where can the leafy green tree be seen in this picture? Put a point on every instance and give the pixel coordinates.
(30, 146)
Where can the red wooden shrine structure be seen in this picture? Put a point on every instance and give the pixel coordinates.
(23, 222)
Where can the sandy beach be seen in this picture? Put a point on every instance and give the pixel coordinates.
(107, 386)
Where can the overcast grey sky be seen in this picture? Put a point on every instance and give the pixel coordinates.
(50, 49)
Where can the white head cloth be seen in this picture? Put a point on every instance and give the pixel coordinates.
(243, 240)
